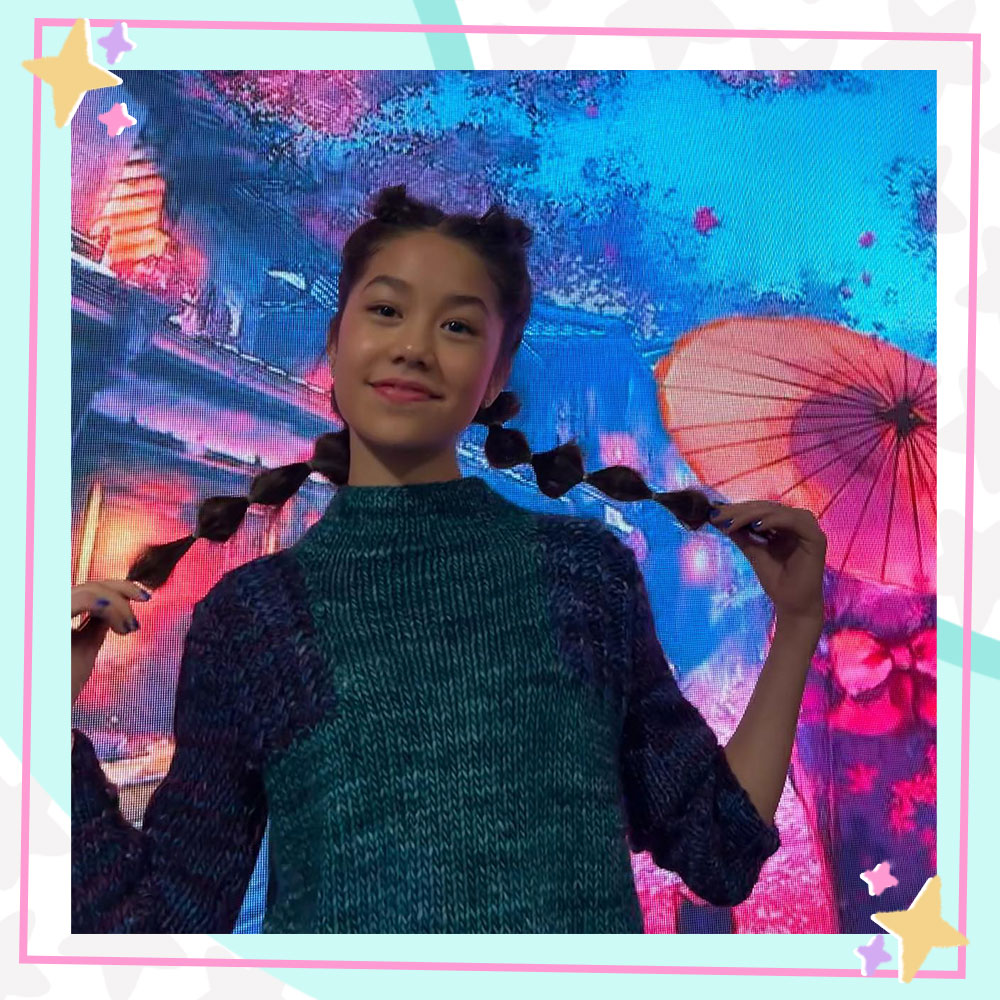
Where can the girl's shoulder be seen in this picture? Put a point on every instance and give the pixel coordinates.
(263, 588)
(588, 565)
(587, 540)
(587, 571)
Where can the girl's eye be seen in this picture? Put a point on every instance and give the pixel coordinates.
(383, 306)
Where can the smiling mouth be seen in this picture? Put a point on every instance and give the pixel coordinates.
(399, 394)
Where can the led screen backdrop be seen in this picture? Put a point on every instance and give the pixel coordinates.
(735, 289)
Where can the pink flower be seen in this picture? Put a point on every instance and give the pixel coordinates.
(705, 220)
(860, 778)
(866, 239)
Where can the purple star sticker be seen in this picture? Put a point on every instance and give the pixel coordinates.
(116, 43)
(872, 955)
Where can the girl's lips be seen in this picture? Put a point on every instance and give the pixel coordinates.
(396, 394)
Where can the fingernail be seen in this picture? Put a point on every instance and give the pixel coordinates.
(134, 624)
(714, 512)
(757, 524)
(102, 602)
(726, 524)
(146, 595)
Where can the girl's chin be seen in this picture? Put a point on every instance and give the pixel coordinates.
(395, 440)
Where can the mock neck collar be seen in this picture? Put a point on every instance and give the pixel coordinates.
(462, 497)
(393, 522)
(444, 514)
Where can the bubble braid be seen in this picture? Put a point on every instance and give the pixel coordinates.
(501, 240)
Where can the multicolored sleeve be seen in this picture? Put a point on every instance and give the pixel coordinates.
(188, 868)
(683, 803)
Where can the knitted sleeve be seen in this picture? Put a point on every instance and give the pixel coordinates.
(683, 803)
(188, 868)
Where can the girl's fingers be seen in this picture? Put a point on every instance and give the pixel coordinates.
(774, 520)
(90, 635)
(117, 614)
(732, 516)
(755, 521)
(105, 599)
(130, 589)
(84, 594)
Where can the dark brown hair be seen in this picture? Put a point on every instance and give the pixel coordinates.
(500, 240)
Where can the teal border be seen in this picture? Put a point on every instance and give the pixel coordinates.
(985, 649)
(447, 51)
(451, 51)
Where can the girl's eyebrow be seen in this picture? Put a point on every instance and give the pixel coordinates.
(404, 286)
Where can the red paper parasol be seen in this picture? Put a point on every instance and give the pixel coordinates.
(814, 415)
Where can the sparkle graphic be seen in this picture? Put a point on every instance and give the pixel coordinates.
(71, 73)
(116, 43)
(879, 879)
(920, 928)
(117, 119)
(872, 955)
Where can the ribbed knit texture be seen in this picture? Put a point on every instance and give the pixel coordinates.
(456, 714)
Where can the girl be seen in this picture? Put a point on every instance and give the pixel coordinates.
(454, 711)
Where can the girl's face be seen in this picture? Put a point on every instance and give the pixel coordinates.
(402, 320)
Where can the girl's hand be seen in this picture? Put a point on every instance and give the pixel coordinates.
(790, 563)
(107, 604)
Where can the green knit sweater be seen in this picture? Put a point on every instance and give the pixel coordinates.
(457, 717)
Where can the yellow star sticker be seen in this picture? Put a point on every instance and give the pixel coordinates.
(71, 73)
(919, 928)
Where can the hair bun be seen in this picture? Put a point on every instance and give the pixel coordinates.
(393, 205)
(497, 223)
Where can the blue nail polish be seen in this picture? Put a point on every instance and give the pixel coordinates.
(102, 602)
(757, 524)
(728, 523)
(714, 512)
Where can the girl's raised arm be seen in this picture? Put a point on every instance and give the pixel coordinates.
(188, 868)
(683, 803)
